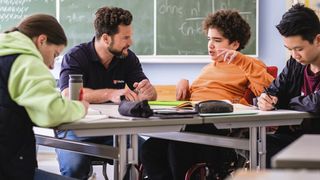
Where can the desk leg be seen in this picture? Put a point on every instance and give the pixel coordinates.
(133, 156)
(115, 161)
(262, 147)
(120, 141)
(253, 147)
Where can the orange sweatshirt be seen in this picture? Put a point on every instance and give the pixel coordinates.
(222, 81)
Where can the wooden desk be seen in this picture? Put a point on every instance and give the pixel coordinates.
(276, 175)
(121, 128)
(304, 153)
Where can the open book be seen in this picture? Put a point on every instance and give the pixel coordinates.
(176, 104)
(191, 105)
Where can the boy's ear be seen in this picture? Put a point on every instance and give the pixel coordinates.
(317, 40)
(235, 45)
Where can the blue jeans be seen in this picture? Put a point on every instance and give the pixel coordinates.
(78, 165)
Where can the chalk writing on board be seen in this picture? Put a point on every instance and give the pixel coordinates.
(182, 33)
(170, 9)
(160, 27)
(12, 11)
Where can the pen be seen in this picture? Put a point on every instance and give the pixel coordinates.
(268, 94)
(120, 117)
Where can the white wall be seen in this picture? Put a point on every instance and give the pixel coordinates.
(271, 49)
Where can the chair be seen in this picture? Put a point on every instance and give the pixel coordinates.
(166, 92)
(248, 95)
(98, 161)
(95, 161)
(201, 168)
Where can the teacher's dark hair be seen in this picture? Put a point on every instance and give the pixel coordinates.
(299, 21)
(230, 24)
(37, 24)
(109, 18)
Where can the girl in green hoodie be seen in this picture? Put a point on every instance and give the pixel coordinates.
(28, 94)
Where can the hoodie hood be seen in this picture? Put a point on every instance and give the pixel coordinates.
(17, 43)
(31, 85)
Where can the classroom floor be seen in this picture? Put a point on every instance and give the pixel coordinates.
(47, 161)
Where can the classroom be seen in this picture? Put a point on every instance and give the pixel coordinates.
(157, 114)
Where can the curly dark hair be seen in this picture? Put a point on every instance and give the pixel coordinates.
(300, 20)
(230, 24)
(109, 18)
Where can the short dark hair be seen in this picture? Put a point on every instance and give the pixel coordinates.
(109, 18)
(299, 20)
(37, 24)
(230, 24)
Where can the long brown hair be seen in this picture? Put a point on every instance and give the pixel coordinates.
(37, 24)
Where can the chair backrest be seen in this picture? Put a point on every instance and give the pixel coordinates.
(248, 95)
(166, 92)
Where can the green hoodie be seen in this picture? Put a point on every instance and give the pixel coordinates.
(32, 85)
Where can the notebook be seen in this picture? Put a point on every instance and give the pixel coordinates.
(174, 113)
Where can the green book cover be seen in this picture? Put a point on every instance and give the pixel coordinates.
(178, 104)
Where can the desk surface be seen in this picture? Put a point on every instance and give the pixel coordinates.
(114, 120)
(302, 153)
(122, 125)
(271, 118)
(262, 118)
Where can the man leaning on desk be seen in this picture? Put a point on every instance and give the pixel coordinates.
(107, 66)
(297, 86)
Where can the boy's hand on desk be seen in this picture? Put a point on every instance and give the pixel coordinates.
(267, 103)
(182, 90)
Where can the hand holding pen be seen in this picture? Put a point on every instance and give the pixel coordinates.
(268, 94)
(266, 101)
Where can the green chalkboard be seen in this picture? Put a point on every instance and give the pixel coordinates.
(160, 27)
(179, 30)
(12, 11)
(248, 10)
(77, 16)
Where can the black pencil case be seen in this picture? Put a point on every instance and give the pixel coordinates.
(213, 106)
(135, 108)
